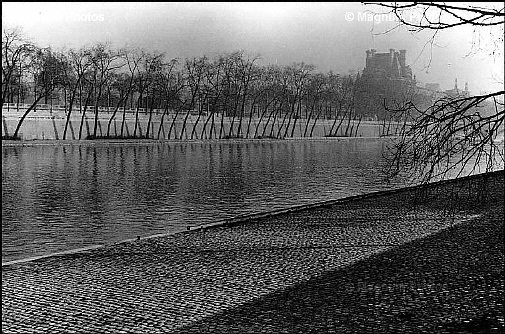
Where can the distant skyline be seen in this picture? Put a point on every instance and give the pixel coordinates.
(332, 36)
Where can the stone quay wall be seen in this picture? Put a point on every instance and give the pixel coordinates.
(47, 124)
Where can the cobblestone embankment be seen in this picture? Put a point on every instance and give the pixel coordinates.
(287, 273)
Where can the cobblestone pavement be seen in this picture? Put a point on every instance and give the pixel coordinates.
(451, 282)
(285, 273)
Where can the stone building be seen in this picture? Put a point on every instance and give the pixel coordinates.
(386, 66)
(456, 92)
(385, 83)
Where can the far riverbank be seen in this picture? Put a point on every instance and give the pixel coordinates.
(55, 142)
(46, 125)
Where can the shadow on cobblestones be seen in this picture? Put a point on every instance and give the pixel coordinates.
(449, 282)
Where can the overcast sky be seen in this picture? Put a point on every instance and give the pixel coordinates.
(332, 36)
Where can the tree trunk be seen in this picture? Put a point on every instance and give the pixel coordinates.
(265, 110)
(173, 123)
(97, 100)
(162, 120)
(298, 109)
(26, 114)
(273, 123)
(114, 114)
(150, 117)
(308, 116)
(315, 121)
(274, 110)
(139, 100)
(67, 122)
(84, 113)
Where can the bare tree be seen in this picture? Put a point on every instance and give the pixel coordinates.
(103, 64)
(248, 74)
(314, 97)
(119, 83)
(46, 68)
(178, 101)
(457, 134)
(214, 88)
(154, 73)
(170, 82)
(195, 70)
(454, 136)
(270, 91)
(132, 58)
(299, 76)
(16, 52)
(79, 63)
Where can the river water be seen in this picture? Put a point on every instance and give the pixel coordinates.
(62, 197)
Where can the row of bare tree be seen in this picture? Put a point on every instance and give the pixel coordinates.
(232, 85)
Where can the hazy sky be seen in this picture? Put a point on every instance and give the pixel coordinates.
(332, 36)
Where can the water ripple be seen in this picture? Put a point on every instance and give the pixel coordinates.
(56, 198)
